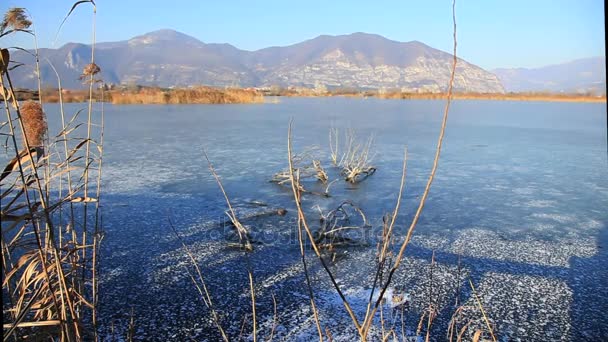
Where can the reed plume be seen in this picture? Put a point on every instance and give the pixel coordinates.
(34, 123)
(90, 70)
(15, 19)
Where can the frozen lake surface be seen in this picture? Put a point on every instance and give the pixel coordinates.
(521, 195)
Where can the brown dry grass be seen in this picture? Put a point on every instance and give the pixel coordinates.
(398, 95)
(51, 224)
(198, 95)
(67, 96)
(154, 95)
(497, 96)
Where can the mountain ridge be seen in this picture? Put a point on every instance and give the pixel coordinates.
(170, 58)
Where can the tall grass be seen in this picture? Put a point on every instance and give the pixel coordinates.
(50, 213)
(198, 95)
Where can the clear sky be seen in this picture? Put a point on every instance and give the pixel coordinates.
(491, 34)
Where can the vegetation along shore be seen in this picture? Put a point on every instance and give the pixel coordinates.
(212, 95)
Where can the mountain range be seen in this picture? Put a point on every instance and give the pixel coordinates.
(578, 76)
(169, 58)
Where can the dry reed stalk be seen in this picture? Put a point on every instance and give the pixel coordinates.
(387, 235)
(47, 168)
(334, 144)
(458, 277)
(274, 317)
(244, 241)
(311, 297)
(427, 188)
(87, 157)
(462, 331)
(98, 224)
(302, 217)
(38, 256)
(240, 229)
(485, 317)
(432, 307)
(52, 272)
(202, 288)
(452, 324)
(252, 294)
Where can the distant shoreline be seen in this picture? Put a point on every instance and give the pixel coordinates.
(545, 97)
(211, 95)
(515, 97)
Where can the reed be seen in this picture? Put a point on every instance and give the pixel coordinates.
(405, 95)
(197, 95)
(49, 241)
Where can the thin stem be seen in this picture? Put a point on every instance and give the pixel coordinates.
(427, 188)
(308, 282)
(294, 189)
(485, 318)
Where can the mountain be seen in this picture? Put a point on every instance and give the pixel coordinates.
(169, 58)
(581, 75)
(364, 60)
(163, 58)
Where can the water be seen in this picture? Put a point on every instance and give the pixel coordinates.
(521, 194)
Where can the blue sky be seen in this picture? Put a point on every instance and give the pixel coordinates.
(491, 33)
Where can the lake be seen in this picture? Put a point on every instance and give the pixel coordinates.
(518, 206)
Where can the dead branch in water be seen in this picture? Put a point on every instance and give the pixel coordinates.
(320, 172)
(308, 167)
(337, 223)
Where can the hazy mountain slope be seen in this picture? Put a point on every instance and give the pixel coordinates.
(169, 58)
(582, 75)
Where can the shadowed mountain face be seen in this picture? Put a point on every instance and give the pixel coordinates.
(169, 58)
(581, 75)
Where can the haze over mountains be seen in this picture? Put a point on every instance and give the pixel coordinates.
(578, 76)
(168, 58)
